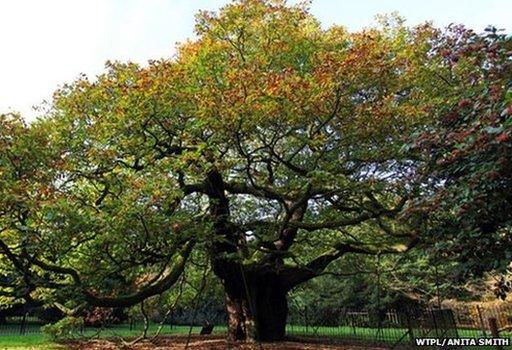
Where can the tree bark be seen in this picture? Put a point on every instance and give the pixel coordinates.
(239, 317)
(271, 308)
(256, 306)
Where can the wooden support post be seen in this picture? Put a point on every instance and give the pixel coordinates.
(493, 326)
(481, 319)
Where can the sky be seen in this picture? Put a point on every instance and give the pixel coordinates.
(44, 44)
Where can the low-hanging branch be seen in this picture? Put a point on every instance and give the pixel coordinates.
(158, 287)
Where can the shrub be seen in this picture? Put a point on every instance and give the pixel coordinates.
(66, 328)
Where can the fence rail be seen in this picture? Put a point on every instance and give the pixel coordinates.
(391, 328)
(388, 328)
(21, 325)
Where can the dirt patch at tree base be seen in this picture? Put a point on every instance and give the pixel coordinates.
(203, 343)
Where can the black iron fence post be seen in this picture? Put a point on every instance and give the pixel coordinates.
(434, 320)
(409, 327)
(306, 318)
(23, 324)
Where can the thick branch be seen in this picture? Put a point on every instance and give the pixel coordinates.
(262, 192)
(289, 232)
(147, 291)
(313, 226)
(156, 288)
(11, 256)
(297, 275)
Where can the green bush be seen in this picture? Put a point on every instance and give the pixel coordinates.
(67, 328)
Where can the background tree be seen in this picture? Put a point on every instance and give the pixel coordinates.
(469, 151)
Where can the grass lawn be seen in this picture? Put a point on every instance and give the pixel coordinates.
(37, 341)
(28, 342)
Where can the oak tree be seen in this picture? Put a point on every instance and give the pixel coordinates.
(273, 144)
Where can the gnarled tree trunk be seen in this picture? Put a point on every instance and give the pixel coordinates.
(255, 296)
(257, 309)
